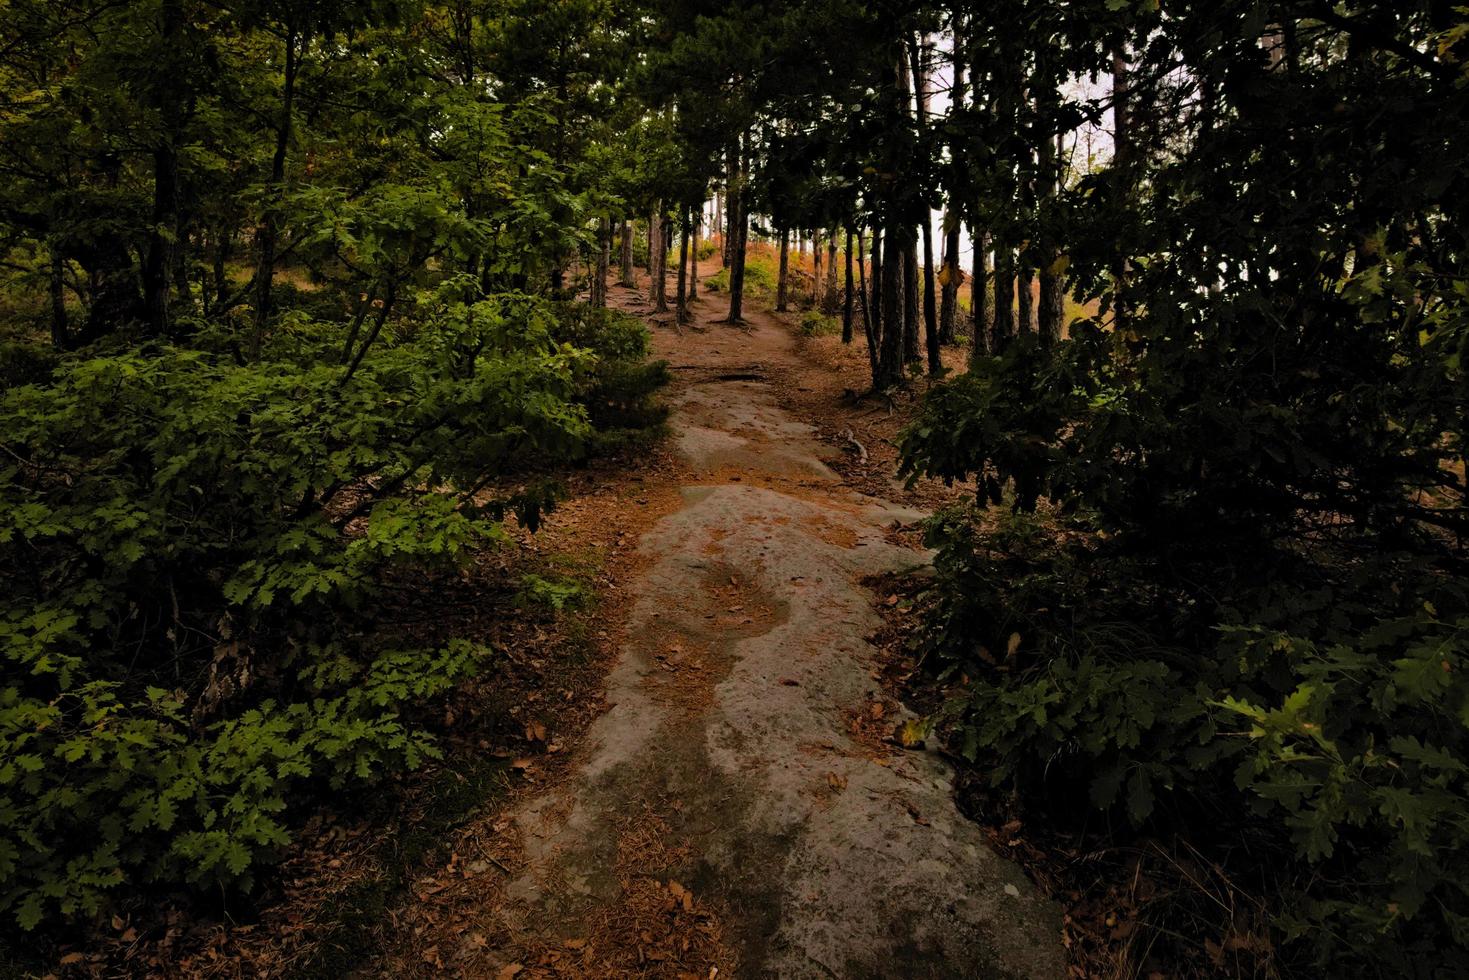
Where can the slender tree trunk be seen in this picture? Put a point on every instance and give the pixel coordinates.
(918, 55)
(930, 313)
(890, 356)
(657, 256)
(694, 254)
(869, 321)
(815, 269)
(1004, 297)
(739, 234)
(683, 262)
(266, 234)
(1121, 159)
(782, 279)
(604, 260)
(875, 302)
(627, 236)
(1025, 319)
(1053, 289)
(981, 284)
(911, 311)
(830, 301)
(731, 206)
(847, 293)
(719, 226)
(949, 301)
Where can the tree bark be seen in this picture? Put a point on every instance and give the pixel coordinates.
(604, 260)
(657, 256)
(911, 304)
(815, 269)
(627, 236)
(949, 300)
(1025, 319)
(869, 328)
(782, 279)
(1004, 298)
(1121, 159)
(740, 229)
(890, 355)
(1053, 288)
(830, 301)
(875, 302)
(981, 282)
(847, 293)
(683, 261)
(698, 213)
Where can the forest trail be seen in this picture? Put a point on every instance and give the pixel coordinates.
(738, 809)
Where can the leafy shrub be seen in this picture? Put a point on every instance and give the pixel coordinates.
(189, 551)
(618, 391)
(817, 324)
(555, 594)
(1182, 653)
(22, 363)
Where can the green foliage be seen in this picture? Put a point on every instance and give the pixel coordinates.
(187, 545)
(814, 323)
(618, 391)
(554, 594)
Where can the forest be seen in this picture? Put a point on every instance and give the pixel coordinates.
(408, 406)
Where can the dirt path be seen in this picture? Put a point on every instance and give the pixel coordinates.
(738, 810)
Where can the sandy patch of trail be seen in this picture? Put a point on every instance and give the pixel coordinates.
(731, 813)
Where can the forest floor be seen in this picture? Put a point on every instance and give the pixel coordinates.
(741, 808)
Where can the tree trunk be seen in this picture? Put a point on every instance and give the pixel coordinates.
(918, 53)
(847, 293)
(1121, 158)
(980, 285)
(694, 253)
(266, 234)
(604, 260)
(683, 262)
(720, 226)
(830, 302)
(930, 313)
(782, 279)
(875, 302)
(1004, 297)
(1025, 319)
(1053, 289)
(815, 269)
(911, 310)
(949, 301)
(657, 256)
(869, 321)
(890, 355)
(740, 229)
(627, 236)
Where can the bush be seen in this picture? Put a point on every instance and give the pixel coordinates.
(817, 324)
(1192, 655)
(618, 391)
(189, 553)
